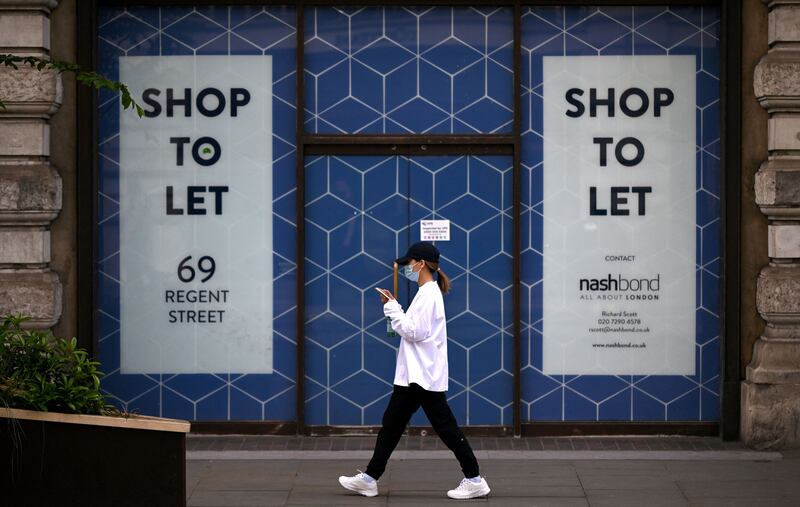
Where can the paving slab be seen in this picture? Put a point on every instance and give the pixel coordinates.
(626, 468)
(323, 495)
(733, 470)
(627, 498)
(238, 498)
(724, 488)
(426, 497)
(245, 481)
(533, 481)
(744, 502)
(634, 483)
(520, 489)
(496, 501)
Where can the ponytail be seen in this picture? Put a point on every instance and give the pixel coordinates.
(441, 279)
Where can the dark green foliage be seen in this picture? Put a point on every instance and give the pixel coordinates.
(40, 372)
(92, 79)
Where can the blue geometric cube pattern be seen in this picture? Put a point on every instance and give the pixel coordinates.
(363, 212)
(408, 70)
(411, 70)
(206, 30)
(564, 31)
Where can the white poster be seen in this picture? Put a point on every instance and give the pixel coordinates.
(619, 215)
(196, 215)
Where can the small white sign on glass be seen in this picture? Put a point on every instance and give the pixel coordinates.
(434, 230)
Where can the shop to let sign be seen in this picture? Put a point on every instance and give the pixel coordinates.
(195, 190)
(619, 215)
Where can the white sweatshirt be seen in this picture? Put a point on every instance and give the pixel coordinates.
(422, 358)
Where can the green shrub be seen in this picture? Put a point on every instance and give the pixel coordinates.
(40, 372)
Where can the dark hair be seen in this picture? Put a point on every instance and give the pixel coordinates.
(441, 278)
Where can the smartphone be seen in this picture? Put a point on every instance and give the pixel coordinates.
(385, 293)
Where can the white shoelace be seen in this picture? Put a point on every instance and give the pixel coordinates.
(361, 475)
(464, 484)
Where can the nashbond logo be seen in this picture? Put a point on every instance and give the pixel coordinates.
(618, 283)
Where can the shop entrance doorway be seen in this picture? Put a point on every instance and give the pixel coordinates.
(362, 212)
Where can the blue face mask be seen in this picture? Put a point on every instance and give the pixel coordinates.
(408, 272)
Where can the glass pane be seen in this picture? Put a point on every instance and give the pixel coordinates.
(387, 70)
(363, 212)
(217, 54)
(474, 194)
(356, 225)
(612, 226)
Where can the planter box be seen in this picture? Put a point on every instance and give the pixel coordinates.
(64, 459)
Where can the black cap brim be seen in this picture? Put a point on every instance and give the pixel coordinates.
(420, 250)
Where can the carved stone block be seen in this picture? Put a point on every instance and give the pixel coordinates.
(770, 415)
(25, 29)
(776, 80)
(784, 24)
(33, 293)
(24, 246)
(24, 138)
(777, 294)
(784, 241)
(36, 5)
(26, 90)
(776, 356)
(27, 189)
(784, 132)
(778, 183)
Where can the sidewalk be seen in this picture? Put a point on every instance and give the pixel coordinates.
(652, 472)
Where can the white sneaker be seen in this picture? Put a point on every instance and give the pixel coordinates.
(469, 489)
(360, 485)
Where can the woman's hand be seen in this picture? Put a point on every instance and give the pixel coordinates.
(386, 296)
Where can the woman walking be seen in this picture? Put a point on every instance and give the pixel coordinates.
(420, 377)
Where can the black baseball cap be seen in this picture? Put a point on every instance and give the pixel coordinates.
(420, 251)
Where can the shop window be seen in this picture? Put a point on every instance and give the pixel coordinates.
(409, 70)
(184, 223)
(642, 360)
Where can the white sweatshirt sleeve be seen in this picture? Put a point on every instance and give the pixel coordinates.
(414, 325)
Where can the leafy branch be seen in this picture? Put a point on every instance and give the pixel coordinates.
(92, 79)
(40, 372)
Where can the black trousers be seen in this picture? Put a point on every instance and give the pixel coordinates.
(402, 405)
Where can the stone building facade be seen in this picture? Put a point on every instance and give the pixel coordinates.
(40, 267)
(770, 394)
(31, 185)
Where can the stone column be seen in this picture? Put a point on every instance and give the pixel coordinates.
(771, 391)
(30, 188)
